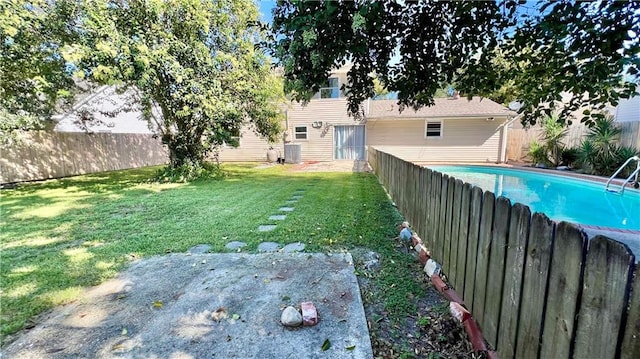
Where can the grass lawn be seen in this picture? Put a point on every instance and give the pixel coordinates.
(61, 236)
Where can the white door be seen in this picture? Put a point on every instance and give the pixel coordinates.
(349, 142)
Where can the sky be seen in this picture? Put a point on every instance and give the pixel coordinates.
(265, 9)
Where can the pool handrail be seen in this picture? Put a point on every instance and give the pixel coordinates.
(624, 184)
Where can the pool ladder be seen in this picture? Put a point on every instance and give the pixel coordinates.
(635, 174)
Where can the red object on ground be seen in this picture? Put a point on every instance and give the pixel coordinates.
(423, 256)
(492, 354)
(453, 296)
(459, 312)
(475, 335)
(416, 240)
(440, 285)
(309, 314)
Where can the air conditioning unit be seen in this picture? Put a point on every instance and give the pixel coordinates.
(293, 153)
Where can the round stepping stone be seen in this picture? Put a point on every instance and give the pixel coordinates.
(286, 209)
(268, 247)
(235, 245)
(293, 247)
(200, 249)
(278, 217)
(266, 227)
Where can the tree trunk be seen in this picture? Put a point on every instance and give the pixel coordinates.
(184, 150)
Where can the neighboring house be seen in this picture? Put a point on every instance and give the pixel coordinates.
(110, 111)
(627, 114)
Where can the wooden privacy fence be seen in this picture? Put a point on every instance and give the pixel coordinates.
(45, 154)
(538, 289)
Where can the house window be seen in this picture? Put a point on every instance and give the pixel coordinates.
(433, 129)
(331, 88)
(301, 133)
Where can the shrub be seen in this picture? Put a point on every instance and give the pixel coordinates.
(569, 156)
(538, 153)
(622, 154)
(189, 172)
(552, 136)
(599, 153)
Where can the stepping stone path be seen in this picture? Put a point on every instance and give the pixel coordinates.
(200, 249)
(293, 247)
(268, 247)
(272, 246)
(266, 227)
(235, 245)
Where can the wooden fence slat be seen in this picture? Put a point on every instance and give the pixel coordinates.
(438, 243)
(631, 340)
(435, 202)
(482, 262)
(497, 260)
(607, 280)
(565, 284)
(512, 288)
(472, 250)
(463, 234)
(446, 233)
(455, 232)
(534, 286)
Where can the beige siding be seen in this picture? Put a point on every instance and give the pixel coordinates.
(463, 140)
(319, 143)
(252, 148)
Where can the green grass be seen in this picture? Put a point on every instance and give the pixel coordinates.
(59, 237)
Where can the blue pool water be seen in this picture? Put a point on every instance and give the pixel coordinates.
(559, 197)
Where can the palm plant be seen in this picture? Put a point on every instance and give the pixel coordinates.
(552, 136)
(600, 153)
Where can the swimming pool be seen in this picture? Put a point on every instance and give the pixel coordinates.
(559, 197)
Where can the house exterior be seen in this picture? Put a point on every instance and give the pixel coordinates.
(453, 130)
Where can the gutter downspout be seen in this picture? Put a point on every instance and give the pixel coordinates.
(505, 130)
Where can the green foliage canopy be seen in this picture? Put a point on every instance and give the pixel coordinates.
(191, 66)
(589, 50)
(33, 75)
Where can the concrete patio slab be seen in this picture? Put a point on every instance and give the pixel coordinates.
(209, 305)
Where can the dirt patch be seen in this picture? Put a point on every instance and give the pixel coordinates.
(430, 332)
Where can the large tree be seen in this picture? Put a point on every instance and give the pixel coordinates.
(34, 78)
(587, 49)
(191, 66)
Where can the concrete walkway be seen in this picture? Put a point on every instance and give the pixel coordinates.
(209, 306)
